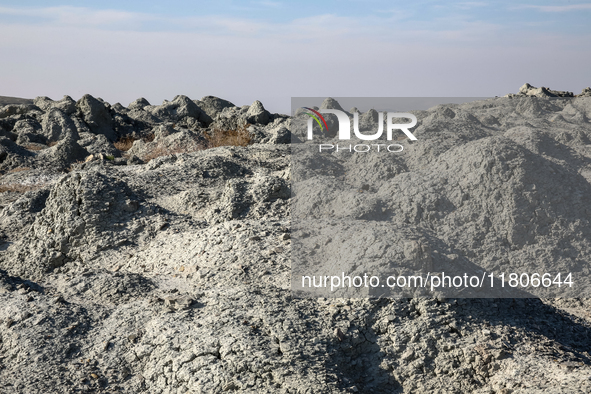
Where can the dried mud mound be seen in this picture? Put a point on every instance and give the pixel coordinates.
(501, 184)
(173, 274)
(84, 213)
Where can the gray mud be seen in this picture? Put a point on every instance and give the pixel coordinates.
(122, 272)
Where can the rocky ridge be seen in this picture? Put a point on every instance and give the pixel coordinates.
(165, 267)
(528, 90)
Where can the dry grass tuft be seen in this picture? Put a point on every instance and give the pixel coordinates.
(237, 137)
(33, 147)
(18, 187)
(124, 144)
(19, 169)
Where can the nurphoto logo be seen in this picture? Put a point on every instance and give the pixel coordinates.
(345, 124)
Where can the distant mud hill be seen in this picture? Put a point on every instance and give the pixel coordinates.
(5, 100)
(148, 248)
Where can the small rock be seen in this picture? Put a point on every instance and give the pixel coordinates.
(285, 347)
(183, 303)
(230, 386)
(169, 301)
(570, 365)
(133, 159)
(339, 334)
(499, 354)
(407, 355)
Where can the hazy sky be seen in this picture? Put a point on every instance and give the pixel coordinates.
(273, 50)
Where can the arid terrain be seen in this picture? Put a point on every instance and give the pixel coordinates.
(147, 248)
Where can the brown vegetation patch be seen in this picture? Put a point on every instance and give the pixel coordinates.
(237, 137)
(19, 169)
(33, 147)
(124, 144)
(18, 187)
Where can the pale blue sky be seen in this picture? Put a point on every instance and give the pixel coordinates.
(273, 50)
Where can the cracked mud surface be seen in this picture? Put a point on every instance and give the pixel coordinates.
(173, 276)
